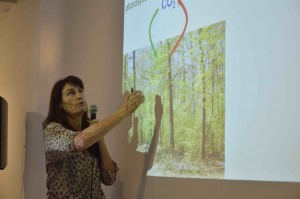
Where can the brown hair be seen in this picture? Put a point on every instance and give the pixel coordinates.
(55, 113)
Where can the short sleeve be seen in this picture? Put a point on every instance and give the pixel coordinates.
(108, 177)
(58, 138)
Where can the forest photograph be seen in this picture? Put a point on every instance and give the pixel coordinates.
(182, 121)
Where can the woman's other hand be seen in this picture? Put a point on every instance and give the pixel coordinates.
(134, 100)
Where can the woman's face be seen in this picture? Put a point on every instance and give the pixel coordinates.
(73, 101)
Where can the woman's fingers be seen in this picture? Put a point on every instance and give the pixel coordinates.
(94, 121)
(135, 99)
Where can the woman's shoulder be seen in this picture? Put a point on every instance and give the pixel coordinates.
(52, 125)
(55, 127)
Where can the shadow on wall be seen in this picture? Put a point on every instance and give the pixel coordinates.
(34, 177)
(132, 183)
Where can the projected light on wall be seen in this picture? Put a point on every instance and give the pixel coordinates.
(219, 104)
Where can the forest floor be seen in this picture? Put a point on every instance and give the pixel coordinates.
(209, 169)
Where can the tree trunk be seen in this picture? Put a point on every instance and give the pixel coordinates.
(203, 144)
(125, 74)
(134, 70)
(171, 114)
(212, 109)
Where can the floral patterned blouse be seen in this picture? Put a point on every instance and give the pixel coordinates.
(72, 174)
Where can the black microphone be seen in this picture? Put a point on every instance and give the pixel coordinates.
(93, 111)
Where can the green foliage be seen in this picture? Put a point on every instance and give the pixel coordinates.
(198, 73)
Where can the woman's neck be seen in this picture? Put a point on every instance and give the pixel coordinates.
(75, 122)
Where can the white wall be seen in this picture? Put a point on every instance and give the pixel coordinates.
(18, 64)
(41, 41)
(51, 35)
(31, 60)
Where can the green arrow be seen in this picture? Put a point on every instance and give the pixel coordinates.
(154, 51)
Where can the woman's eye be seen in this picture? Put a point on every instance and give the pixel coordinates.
(80, 90)
(71, 93)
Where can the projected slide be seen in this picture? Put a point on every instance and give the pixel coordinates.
(221, 85)
(182, 76)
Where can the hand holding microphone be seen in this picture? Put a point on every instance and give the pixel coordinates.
(93, 112)
(93, 115)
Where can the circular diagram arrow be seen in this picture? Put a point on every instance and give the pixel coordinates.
(186, 22)
(153, 49)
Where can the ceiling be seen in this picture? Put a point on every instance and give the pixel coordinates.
(5, 5)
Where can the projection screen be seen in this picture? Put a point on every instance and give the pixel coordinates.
(221, 85)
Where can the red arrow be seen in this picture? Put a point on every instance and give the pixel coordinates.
(186, 22)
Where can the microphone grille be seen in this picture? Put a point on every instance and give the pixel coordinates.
(93, 108)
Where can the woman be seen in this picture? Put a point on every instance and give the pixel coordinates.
(77, 161)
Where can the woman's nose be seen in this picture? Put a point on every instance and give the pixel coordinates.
(79, 95)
